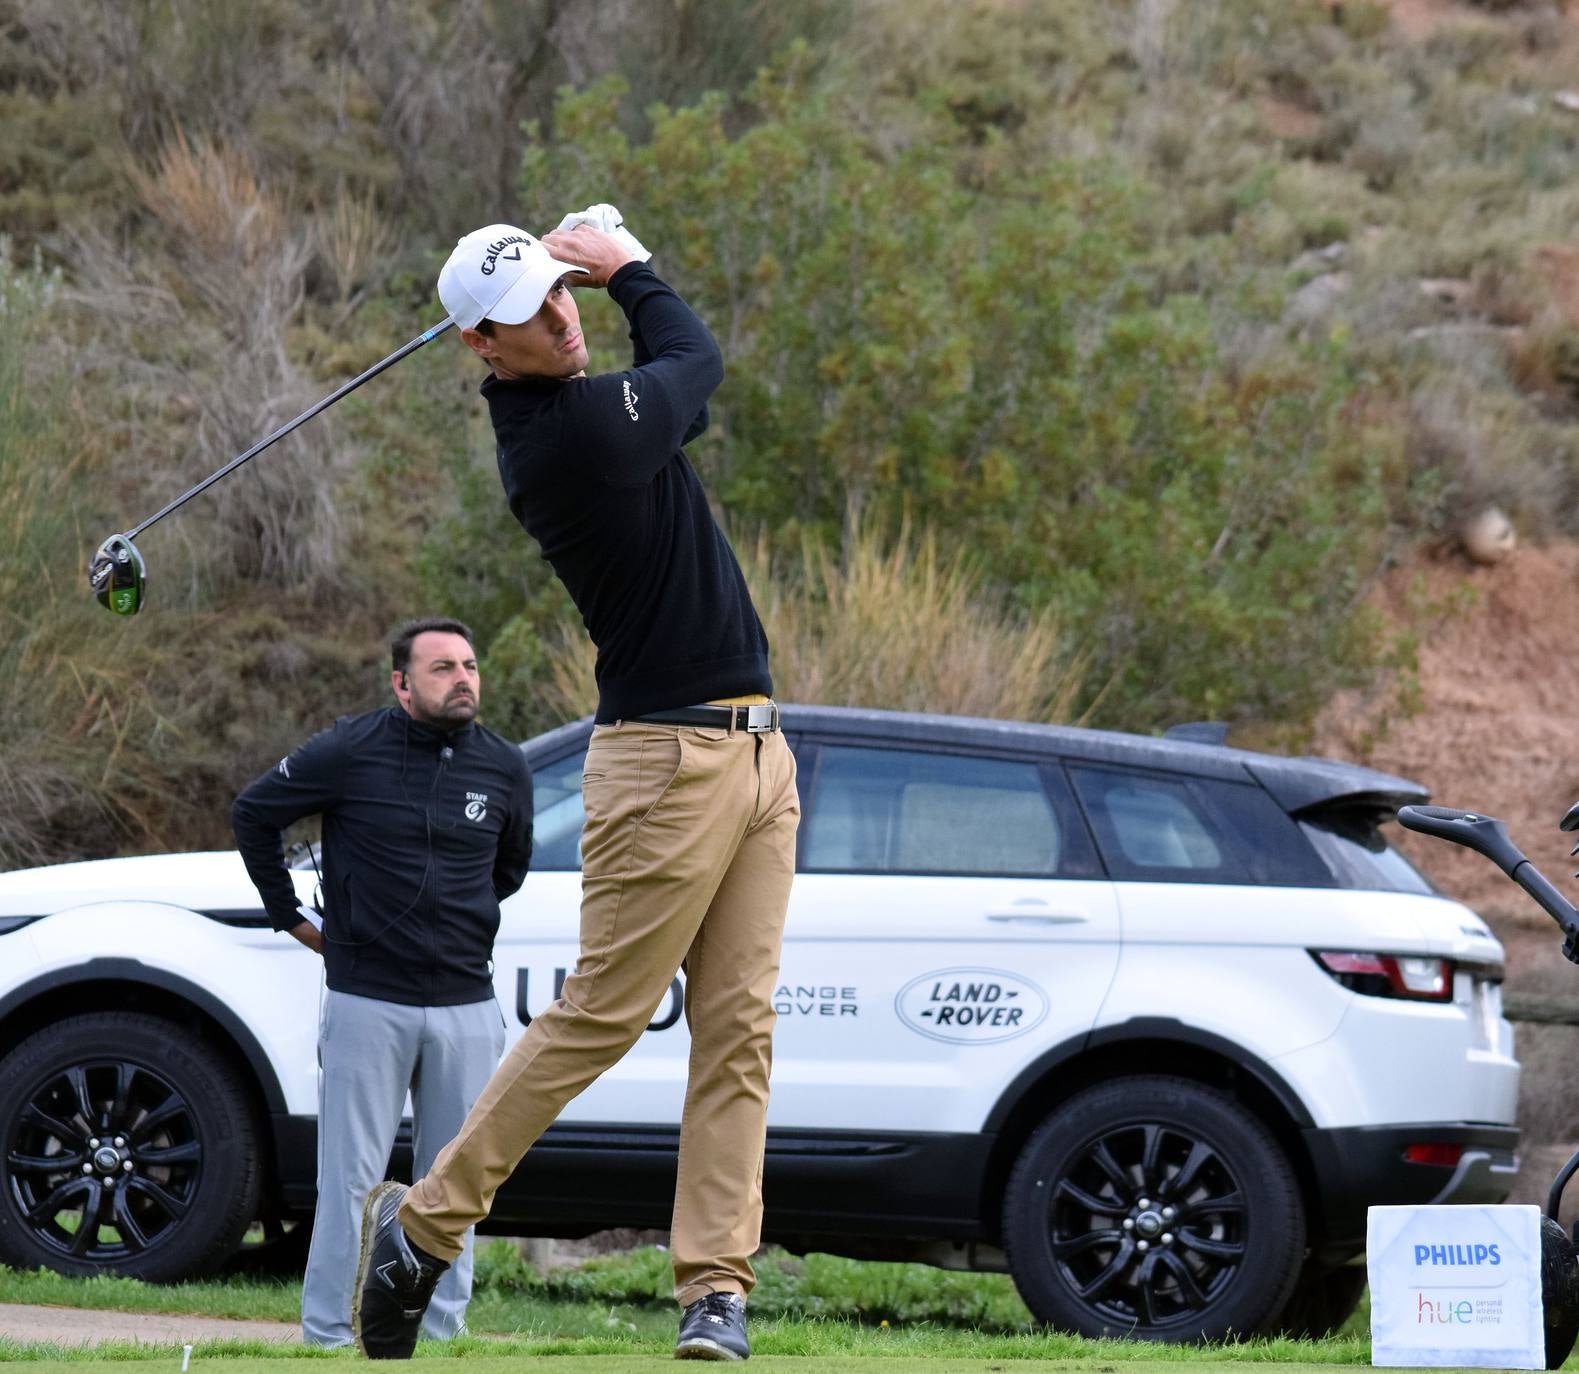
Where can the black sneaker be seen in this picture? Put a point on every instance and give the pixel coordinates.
(394, 1280)
(714, 1328)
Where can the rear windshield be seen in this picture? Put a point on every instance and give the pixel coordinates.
(1352, 845)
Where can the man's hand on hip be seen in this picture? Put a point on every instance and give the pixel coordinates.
(601, 254)
(309, 935)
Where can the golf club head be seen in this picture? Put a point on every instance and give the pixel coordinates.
(1571, 820)
(117, 575)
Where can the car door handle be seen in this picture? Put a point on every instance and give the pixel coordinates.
(1040, 915)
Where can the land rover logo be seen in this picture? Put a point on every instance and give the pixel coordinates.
(971, 1006)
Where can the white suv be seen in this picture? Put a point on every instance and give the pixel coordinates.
(1147, 1022)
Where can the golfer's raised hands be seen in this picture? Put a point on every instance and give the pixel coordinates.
(601, 254)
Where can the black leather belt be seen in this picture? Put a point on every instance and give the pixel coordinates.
(754, 720)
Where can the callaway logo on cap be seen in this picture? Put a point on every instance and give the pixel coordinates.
(498, 273)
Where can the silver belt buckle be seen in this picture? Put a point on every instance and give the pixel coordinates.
(763, 719)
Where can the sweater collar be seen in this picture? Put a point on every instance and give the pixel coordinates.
(505, 391)
(420, 732)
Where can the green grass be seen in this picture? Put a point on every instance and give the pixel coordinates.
(810, 1345)
(623, 1297)
(636, 1285)
(235, 1357)
(818, 1308)
(814, 1285)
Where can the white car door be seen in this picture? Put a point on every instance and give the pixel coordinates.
(947, 926)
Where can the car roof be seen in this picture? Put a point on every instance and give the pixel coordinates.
(1297, 784)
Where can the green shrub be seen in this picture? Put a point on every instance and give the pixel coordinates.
(993, 361)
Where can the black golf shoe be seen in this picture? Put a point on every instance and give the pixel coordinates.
(394, 1280)
(714, 1328)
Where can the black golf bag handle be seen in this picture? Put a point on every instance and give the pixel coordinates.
(1488, 836)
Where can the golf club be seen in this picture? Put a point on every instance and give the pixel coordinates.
(117, 572)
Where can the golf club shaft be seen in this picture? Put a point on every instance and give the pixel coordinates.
(426, 336)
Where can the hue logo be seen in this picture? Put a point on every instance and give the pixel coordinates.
(1431, 1312)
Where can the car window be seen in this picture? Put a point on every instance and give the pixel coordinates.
(1270, 843)
(557, 813)
(910, 811)
(1156, 829)
(1358, 853)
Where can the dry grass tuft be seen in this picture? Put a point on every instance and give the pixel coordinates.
(1482, 453)
(881, 623)
(194, 328)
(64, 770)
(902, 625)
(352, 239)
(210, 195)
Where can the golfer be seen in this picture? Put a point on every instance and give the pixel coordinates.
(689, 844)
(427, 823)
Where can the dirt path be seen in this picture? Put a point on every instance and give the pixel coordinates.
(88, 1326)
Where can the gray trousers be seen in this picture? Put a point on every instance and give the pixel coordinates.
(370, 1054)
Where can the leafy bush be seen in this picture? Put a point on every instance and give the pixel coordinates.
(992, 358)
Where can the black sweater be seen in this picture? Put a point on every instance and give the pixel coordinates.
(418, 849)
(593, 471)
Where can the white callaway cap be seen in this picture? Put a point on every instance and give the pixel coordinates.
(498, 273)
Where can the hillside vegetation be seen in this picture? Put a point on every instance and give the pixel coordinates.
(1086, 362)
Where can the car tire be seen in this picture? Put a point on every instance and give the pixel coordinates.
(1323, 1299)
(1559, 1292)
(1214, 1252)
(129, 1148)
(276, 1253)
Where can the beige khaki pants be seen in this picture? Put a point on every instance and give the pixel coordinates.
(687, 857)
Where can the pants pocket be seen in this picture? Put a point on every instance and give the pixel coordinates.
(629, 778)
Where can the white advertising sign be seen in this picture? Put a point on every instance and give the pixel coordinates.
(1456, 1286)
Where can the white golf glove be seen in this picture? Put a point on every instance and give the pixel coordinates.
(609, 220)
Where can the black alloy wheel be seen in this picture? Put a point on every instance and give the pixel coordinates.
(128, 1149)
(1155, 1208)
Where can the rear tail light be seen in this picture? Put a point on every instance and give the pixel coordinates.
(1413, 977)
(1438, 1152)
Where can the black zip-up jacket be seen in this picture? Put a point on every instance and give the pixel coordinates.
(593, 471)
(424, 831)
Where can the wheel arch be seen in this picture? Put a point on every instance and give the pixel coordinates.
(1144, 1045)
(129, 985)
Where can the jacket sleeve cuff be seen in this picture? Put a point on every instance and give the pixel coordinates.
(288, 918)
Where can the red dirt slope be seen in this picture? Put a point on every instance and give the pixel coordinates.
(1495, 724)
